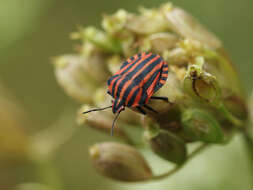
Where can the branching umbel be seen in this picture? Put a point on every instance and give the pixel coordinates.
(206, 101)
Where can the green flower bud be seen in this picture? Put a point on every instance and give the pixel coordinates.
(220, 65)
(116, 22)
(166, 145)
(201, 126)
(201, 85)
(101, 40)
(120, 162)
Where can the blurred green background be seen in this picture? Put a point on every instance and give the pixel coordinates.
(33, 31)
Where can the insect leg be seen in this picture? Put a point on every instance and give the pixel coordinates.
(141, 110)
(160, 98)
(149, 108)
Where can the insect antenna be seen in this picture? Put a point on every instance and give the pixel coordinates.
(113, 124)
(97, 109)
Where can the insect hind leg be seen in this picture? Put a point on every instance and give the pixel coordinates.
(160, 98)
(150, 108)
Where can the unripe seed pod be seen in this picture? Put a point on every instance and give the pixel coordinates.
(120, 162)
(202, 126)
(202, 86)
(166, 145)
(101, 121)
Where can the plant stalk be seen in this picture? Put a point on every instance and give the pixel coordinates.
(177, 168)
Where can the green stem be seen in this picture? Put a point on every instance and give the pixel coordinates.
(44, 145)
(177, 168)
(230, 117)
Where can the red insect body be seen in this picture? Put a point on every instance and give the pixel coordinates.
(138, 79)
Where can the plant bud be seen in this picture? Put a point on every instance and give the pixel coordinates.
(202, 86)
(161, 42)
(100, 120)
(80, 76)
(220, 65)
(101, 40)
(148, 22)
(166, 145)
(116, 22)
(120, 162)
(202, 126)
(114, 63)
(236, 105)
(188, 27)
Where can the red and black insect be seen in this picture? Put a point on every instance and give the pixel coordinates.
(133, 85)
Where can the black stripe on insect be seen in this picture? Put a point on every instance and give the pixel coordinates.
(135, 83)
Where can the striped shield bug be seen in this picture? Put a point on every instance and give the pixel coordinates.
(139, 77)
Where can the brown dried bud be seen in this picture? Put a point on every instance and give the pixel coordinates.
(167, 145)
(101, 121)
(80, 76)
(120, 162)
(188, 27)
